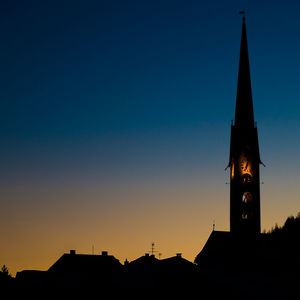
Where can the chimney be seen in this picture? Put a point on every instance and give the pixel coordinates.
(178, 254)
(72, 252)
(104, 253)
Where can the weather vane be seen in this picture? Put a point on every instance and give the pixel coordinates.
(242, 12)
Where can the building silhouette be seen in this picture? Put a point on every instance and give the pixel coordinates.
(80, 272)
(244, 161)
(244, 261)
(149, 272)
(75, 271)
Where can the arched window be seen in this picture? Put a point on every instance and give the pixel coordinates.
(247, 197)
(244, 215)
(246, 178)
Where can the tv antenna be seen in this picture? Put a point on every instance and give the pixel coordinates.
(152, 250)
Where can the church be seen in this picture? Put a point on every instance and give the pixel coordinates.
(244, 163)
(244, 261)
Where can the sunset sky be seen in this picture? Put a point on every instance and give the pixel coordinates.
(115, 123)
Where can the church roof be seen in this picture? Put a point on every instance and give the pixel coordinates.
(244, 116)
(228, 248)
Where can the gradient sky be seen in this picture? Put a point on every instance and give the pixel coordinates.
(115, 123)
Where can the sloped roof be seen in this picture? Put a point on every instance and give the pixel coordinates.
(224, 246)
(84, 263)
(144, 261)
(237, 249)
(177, 260)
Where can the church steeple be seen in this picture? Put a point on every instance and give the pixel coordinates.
(244, 108)
(244, 157)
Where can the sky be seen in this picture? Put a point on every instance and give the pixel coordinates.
(115, 123)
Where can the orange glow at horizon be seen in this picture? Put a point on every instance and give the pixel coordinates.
(124, 219)
(125, 224)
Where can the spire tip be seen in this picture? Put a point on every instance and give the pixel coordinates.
(242, 12)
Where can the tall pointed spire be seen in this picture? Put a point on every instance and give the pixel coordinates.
(244, 116)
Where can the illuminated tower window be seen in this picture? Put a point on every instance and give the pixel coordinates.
(244, 216)
(247, 197)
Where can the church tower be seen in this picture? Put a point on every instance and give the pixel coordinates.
(230, 248)
(244, 159)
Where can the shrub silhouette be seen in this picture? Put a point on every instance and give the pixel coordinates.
(290, 228)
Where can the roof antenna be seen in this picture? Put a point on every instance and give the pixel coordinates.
(153, 249)
(214, 225)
